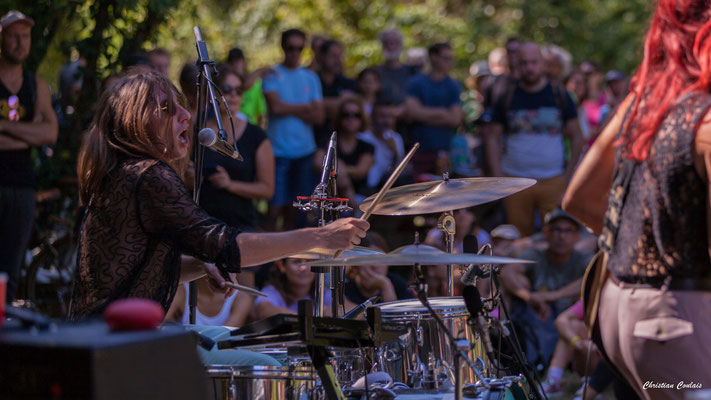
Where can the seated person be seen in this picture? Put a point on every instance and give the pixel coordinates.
(289, 281)
(503, 239)
(574, 343)
(213, 308)
(541, 291)
(364, 282)
(355, 157)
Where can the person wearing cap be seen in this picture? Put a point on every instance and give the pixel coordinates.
(27, 120)
(503, 238)
(540, 291)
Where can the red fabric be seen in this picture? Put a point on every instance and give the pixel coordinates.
(134, 315)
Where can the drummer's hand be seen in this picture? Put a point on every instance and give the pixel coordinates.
(220, 179)
(217, 282)
(538, 303)
(343, 233)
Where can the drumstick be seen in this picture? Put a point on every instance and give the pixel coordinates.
(248, 290)
(388, 184)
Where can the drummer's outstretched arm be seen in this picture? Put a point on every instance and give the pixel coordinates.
(260, 248)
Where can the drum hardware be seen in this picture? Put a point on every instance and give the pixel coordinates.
(448, 225)
(443, 197)
(417, 254)
(324, 199)
(459, 345)
(318, 335)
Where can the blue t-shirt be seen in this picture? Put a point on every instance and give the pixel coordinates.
(533, 141)
(291, 137)
(443, 93)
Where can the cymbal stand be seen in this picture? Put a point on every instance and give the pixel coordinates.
(459, 346)
(321, 201)
(448, 226)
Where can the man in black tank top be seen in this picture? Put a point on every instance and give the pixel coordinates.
(26, 120)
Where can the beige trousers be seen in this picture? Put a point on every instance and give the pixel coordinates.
(544, 196)
(660, 340)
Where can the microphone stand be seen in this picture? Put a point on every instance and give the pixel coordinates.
(205, 92)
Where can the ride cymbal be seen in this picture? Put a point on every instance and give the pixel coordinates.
(445, 195)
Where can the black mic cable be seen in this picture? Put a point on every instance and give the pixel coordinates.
(357, 310)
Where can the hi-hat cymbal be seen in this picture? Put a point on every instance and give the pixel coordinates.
(319, 253)
(421, 254)
(445, 195)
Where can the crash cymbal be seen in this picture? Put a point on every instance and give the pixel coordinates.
(421, 254)
(319, 253)
(445, 195)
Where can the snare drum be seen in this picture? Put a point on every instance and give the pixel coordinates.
(228, 382)
(423, 357)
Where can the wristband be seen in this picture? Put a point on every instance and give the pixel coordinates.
(575, 339)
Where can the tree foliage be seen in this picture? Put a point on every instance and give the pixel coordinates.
(106, 32)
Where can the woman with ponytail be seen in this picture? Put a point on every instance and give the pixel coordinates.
(644, 187)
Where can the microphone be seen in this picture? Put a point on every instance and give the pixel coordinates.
(472, 300)
(329, 166)
(470, 244)
(355, 312)
(208, 138)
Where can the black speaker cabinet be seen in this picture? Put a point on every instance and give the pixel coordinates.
(86, 361)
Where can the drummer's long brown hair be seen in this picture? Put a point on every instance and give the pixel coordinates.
(122, 129)
(677, 60)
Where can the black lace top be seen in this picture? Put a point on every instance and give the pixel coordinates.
(660, 223)
(133, 235)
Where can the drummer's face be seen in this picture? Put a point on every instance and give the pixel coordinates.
(177, 136)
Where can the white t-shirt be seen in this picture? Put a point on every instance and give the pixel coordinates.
(275, 298)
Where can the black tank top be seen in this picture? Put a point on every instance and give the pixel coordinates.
(228, 207)
(16, 165)
(660, 223)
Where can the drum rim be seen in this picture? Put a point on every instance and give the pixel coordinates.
(260, 372)
(422, 312)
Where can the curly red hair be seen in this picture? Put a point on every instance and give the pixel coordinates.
(677, 60)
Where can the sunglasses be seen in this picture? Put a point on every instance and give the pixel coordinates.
(227, 89)
(293, 48)
(14, 103)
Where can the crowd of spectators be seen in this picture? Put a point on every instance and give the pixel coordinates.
(528, 111)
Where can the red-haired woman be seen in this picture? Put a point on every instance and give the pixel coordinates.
(140, 217)
(644, 186)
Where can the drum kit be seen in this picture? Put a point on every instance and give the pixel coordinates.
(441, 349)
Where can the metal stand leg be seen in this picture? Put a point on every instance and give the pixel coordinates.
(448, 226)
(320, 294)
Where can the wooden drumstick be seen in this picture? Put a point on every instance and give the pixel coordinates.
(248, 290)
(388, 184)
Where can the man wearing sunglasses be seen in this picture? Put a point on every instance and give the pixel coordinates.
(294, 102)
(26, 120)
